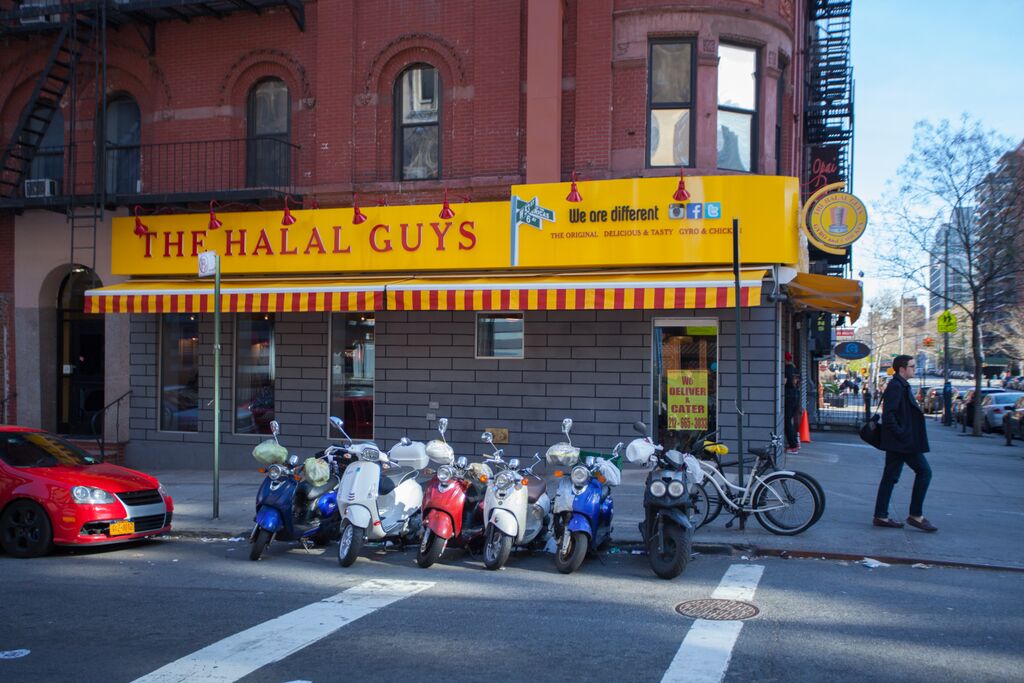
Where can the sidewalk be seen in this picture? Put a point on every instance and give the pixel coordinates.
(976, 499)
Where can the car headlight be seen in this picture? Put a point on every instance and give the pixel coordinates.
(676, 489)
(86, 495)
(161, 490)
(445, 474)
(504, 481)
(658, 489)
(580, 475)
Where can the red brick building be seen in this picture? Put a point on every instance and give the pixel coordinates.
(336, 102)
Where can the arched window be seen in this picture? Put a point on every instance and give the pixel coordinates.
(417, 129)
(269, 135)
(123, 133)
(49, 159)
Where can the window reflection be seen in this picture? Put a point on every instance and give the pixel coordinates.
(353, 358)
(418, 131)
(254, 374)
(669, 104)
(737, 107)
(179, 373)
(499, 335)
(685, 381)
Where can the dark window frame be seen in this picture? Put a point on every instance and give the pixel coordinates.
(254, 171)
(272, 363)
(691, 105)
(496, 314)
(120, 159)
(398, 139)
(754, 113)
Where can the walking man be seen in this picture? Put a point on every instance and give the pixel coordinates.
(905, 442)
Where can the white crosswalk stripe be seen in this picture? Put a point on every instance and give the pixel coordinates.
(705, 653)
(239, 655)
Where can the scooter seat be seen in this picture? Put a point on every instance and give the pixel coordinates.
(535, 488)
(393, 476)
(315, 492)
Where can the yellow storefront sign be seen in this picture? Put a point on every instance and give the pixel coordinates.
(687, 399)
(632, 222)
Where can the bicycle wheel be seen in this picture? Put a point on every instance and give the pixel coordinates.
(786, 504)
(817, 489)
(707, 504)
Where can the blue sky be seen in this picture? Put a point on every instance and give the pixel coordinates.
(921, 59)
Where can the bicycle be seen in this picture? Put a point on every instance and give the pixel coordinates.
(775, 497)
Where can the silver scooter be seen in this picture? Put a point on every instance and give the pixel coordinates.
(379, 497)
(517, 510)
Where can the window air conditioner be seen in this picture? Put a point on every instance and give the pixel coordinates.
(41, 18)
(41, 187)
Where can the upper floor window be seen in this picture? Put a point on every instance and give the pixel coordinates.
(268, 158)
(417, 129)
(737, 107)
(670, 104)
(123, 134)
(49, 159)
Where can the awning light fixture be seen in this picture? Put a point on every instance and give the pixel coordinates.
(681, 195)
(288, 218)
(446, 210)
(214, 222)
(574, 193)
(358, 217)
(140, 227)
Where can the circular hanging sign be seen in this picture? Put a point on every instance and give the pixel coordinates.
(852, 350)
(838, 219)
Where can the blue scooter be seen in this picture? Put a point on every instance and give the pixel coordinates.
(583, 505)
(289, 509)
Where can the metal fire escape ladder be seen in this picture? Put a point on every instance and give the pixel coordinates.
(43, 103)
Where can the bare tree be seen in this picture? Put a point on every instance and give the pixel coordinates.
(1009, 333)
(957, 199)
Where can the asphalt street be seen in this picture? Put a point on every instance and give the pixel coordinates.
(121, 614)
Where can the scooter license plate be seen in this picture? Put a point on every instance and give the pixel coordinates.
(122, 528)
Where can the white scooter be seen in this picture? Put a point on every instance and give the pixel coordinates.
(517, 510)
(379, 497)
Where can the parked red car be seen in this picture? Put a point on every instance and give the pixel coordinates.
(53, 492)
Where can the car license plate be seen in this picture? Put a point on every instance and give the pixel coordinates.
(122, 528)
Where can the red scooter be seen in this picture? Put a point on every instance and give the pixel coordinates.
(453, 509)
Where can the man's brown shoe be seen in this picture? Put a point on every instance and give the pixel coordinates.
(923, 525)
(887, 522)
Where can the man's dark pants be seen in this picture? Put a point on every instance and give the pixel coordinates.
(891, 474)
(792, 440)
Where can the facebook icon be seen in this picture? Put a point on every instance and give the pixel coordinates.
(694, 210)
(713, 210)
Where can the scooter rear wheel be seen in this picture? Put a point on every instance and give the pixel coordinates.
(497, 549)
(568, 559)
(259, 543)
(350, 543)
(430, 549)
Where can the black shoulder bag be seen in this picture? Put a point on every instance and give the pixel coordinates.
(871, 430)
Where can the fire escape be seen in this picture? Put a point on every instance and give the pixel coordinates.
(828, 109)
(78, 33)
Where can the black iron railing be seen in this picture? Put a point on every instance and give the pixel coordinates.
(97, 423)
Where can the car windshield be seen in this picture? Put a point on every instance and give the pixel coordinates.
(1002, 399)
(35, 449)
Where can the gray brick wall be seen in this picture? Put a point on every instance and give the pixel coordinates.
(593, 366)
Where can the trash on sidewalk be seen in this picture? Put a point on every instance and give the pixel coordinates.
(872, 563)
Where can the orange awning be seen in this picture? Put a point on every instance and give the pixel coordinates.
(825, 293)
(594, 291)
(238, 296)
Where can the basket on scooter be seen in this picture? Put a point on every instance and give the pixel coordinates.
(610, 468)
(562, 454)
(269, 452)
(440, 453)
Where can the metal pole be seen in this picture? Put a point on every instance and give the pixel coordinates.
(216, 390)
(947, 394)
(739, 347)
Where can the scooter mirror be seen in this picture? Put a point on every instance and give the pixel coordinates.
(404, 441)
(275, 428)
(442, 425)
(640, 428)
(293, 460)
(462, 462)
(514, 463)
(566, 425)
(336, 421)
(487, 436)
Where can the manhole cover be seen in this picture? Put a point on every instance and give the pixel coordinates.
(717, 610)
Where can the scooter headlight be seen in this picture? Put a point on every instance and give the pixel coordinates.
(370, 454)
(504, 481)
(445, 474)
(580, 475)
(676, 489)
(277, 472)
(658, 489)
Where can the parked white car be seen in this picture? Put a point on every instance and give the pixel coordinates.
(994, 407)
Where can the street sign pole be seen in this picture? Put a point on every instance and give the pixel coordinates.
(739, 350)
(947, 393)
(209, 264)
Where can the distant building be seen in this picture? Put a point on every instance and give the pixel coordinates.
(958, 291)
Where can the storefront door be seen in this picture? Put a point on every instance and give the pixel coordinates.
(685, 371)
(80, 358)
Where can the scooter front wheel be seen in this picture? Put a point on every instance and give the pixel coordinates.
(431, 548)
(572, 548)
(350, 543)
(497, 549)
(676, 546)
(259, 543)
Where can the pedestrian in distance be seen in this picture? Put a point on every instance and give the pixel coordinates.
(905, 442)
(791, 411)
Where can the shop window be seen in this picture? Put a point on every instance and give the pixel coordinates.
(123, 134)
(499, 335)
(737, 107)
(179, 373)
(254, 374)
(685, 380)
(268, 153)
(417, 129)
(352, 371)
(670, 103)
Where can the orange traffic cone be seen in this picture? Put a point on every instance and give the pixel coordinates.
(805, 429)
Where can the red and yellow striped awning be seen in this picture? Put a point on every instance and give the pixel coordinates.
(598, 291)
(238, 296)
